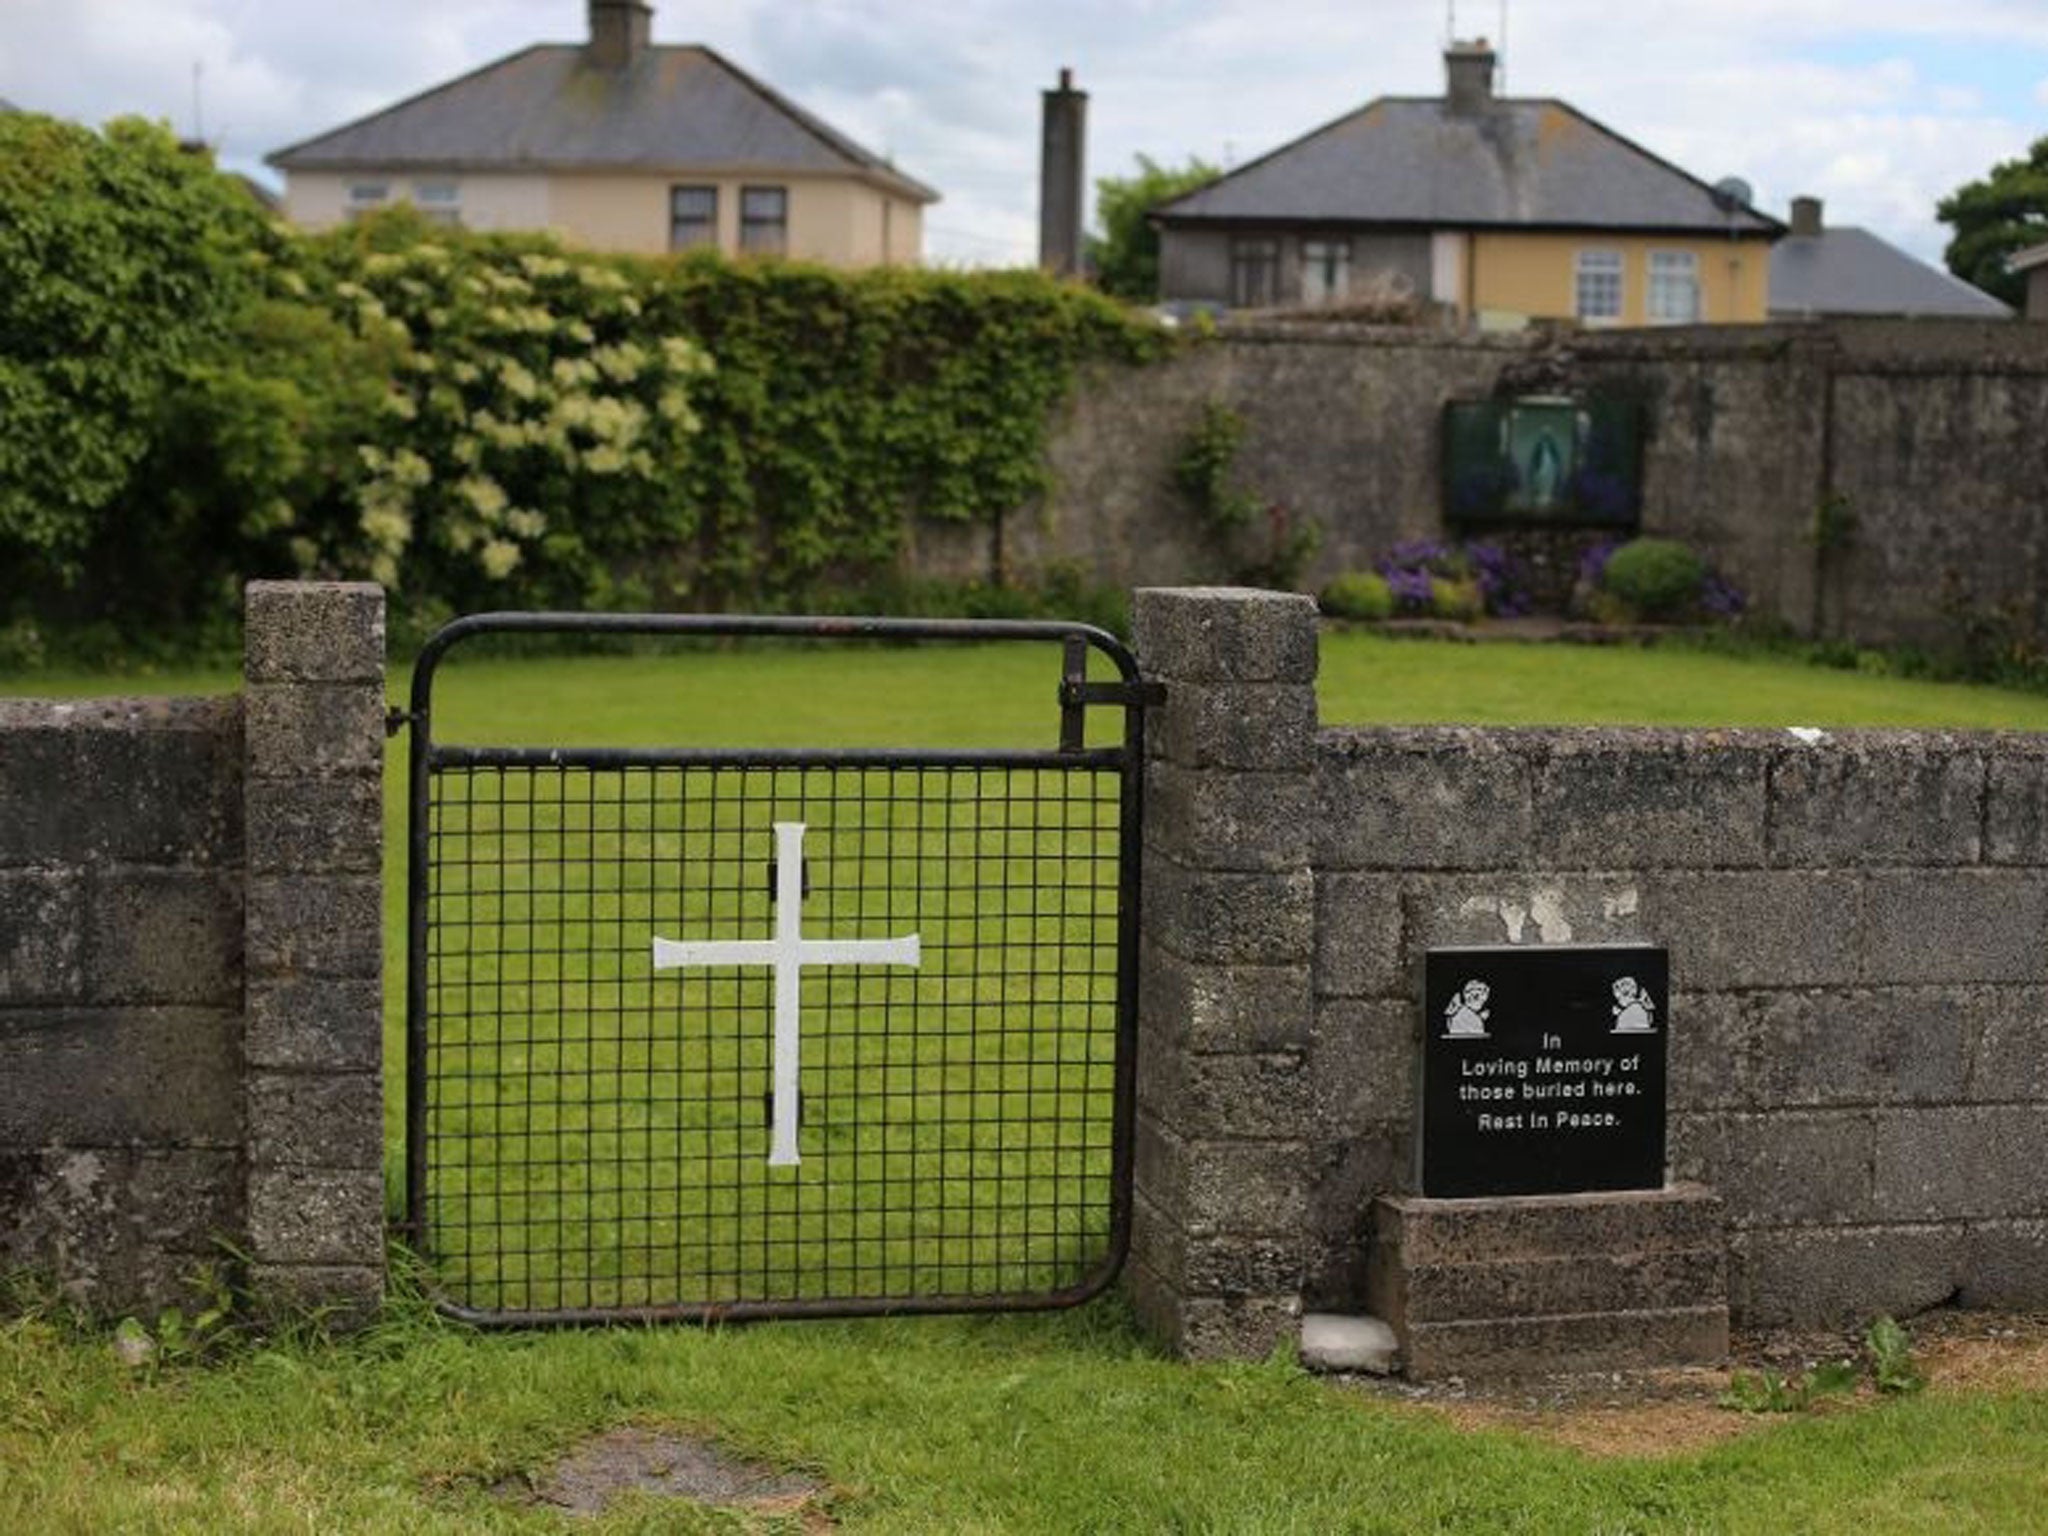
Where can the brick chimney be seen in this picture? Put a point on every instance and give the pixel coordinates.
(1061, 183)
(1806, 216)
(618, 32)
(1468, 78)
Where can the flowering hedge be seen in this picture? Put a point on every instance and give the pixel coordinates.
(483, 420)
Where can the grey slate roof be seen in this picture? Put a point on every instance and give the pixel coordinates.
(547, 108)
(1848, 271)
(1521, 163)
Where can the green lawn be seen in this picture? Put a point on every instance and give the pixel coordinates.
(1029, 1424)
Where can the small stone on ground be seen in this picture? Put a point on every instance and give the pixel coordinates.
(1332, 1341)
(666, 1465)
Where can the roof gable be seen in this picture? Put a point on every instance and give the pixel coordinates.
(548, 107)
(1519, 163)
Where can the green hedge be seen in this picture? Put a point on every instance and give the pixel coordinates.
(195, 396)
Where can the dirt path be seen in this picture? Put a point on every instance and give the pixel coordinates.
(1668, 1413)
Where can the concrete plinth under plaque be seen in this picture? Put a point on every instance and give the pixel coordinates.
(1532, 1284)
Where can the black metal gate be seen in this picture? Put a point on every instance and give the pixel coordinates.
(702, 1033)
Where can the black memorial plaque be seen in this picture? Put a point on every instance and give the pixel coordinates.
(1543, 1070)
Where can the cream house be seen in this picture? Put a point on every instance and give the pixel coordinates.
(618, 144)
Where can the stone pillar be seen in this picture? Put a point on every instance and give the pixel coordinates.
(1223, 1177)
(313, 1041)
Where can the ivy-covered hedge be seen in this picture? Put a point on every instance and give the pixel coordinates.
(195, 396)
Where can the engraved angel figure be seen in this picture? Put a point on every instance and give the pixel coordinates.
(1467, 1012)
(1632, 1008)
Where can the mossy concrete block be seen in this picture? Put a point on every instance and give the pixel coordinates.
(1955, 925)
(42, 931)
(1664, 800)
(1228, 820)
(1421, 799)
(1877, 798)
(1806, 1277)
(298, 729)
(319, 1216)
(318, 925)
(1229, 917)
(320, 826)
(313, 631)
(1223, 1007)
(1358, 936)
(1233, 634)
(1257, 727)
(1863, 1045)
(315, 1024)
(164, 936)
(102, 1077)
(319, 1120)
(1972, 1160)
(120, 781)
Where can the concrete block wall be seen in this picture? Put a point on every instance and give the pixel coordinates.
(190, 1006)
(1858, 930)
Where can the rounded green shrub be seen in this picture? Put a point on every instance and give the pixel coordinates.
(1656, 578)
(1358, 595)
(1458, 600)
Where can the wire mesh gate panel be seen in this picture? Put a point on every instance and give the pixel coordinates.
(731, 1032)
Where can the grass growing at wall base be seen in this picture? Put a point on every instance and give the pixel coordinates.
(1027, 1425)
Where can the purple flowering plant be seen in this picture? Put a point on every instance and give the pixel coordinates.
(1413, 568)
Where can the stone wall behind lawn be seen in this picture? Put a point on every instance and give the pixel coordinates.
(1930, 433)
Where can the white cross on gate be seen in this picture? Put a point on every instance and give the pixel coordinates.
(787, 953)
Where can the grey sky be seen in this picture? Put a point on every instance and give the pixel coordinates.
(1879, 106)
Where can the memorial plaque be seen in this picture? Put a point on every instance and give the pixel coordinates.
(1543, 1070)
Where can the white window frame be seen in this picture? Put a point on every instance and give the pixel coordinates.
(1325, 270)
(762, 234)
(704, 227)
(1678, 280)
(366, 197)
(439, 201)
(1597, 269)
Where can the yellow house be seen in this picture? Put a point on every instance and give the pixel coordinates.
(618, 144)
(1503, 210)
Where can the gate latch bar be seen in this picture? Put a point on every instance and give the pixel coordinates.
(1077, 693)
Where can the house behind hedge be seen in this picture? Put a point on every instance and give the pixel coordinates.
(620, 144)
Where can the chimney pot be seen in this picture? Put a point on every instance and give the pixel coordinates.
(1806, 216)
(1468, 77)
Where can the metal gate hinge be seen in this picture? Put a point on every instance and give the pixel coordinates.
(396, 720)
